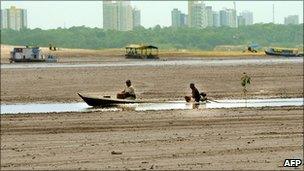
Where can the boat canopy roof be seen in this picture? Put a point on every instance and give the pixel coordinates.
(136, 46)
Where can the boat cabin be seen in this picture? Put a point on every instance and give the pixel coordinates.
(30, 54)
(26, 54)
(141, 51)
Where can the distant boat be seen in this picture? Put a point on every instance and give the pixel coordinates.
(30, 54)
(283, 52)
(141, 51)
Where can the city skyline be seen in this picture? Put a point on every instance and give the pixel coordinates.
(61, 16)
(202, 16)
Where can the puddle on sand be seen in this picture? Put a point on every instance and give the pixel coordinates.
(172, 105)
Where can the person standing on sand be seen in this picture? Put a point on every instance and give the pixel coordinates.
(196, 95)
(128, 92)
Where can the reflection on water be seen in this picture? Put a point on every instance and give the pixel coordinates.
(172, 105)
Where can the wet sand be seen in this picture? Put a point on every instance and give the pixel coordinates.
(179, 139)
(243, 138)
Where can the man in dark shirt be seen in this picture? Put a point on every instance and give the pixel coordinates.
(196, 95)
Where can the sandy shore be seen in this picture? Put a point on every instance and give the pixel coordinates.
(119, 53)
(243, 138)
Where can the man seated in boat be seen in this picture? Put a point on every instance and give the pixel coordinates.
(128, 93)
(196, 95)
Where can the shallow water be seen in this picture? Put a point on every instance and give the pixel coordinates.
(172, 105)
(192, 62)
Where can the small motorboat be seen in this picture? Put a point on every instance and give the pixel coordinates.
(105, 101)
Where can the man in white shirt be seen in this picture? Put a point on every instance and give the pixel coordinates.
(128, 92)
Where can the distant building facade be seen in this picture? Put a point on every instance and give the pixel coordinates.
(201, 16)
(178, 19)
(136, 18)
(13, 18)
(209, 16)
(125, 18)
(247, 16)
(291, 19)
(184, 19)
(241, 21)
(216, 19)
(110, 15)
(224, 18)
(118, 15)
(228, 18)
(232, 18)
(194, 14)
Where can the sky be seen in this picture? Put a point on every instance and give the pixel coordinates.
(54, 14)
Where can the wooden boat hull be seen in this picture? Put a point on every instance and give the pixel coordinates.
(281, 54)
(27, 60)
(95, 102)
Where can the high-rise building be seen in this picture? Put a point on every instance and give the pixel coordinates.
(194, 14)
(228, 18)
(178, 18)
(4, 18)
(110, 15)
(248, 17)
(201, 16)
(232, 18)
(136, 18)
(204, 16)
(184, 20)
(13, 18)
(216, 19)
(224, 18)
(241, 21)
(125, 18)
(118, 15)
(175, 18)
(209, 16)
(291, 19)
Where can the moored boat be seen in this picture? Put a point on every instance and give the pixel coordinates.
(282, 52)
(30, 54)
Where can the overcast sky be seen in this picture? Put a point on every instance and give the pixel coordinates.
(53, 14)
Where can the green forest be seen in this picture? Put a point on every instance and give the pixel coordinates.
(163, 37)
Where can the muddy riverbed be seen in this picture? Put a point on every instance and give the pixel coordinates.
(199, 138)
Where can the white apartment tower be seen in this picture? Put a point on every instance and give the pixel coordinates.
(13, 18)
(118, 15)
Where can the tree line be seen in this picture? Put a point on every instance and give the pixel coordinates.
(163, 37)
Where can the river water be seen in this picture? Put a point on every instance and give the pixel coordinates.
(170, 105)
(170, 62)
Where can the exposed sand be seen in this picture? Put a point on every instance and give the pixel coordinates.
(71, 53)
(241, 138)
(162, 82)
(65, 52)
(179, 139)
